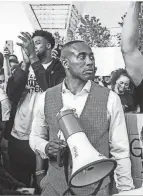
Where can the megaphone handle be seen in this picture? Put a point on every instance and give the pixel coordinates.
(59, 154)
(60, 158)
(69, 190)
(66, 163)
(97, 188)
(93, 194)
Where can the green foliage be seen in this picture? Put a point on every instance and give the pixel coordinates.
(92, 32)
(58, 39)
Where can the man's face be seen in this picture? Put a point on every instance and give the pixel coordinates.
(81, 62)
(122, 84)
(40, 46)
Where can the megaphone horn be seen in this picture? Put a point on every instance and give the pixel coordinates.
(88, 168)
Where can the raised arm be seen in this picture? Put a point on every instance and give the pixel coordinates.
(129, 43)
(130, 31)
(6, 65)
(29, 56)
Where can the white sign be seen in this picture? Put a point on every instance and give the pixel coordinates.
(107, 60)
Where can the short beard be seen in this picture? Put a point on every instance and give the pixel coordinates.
(41, 56)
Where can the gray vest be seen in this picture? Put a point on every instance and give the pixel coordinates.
(94, 121)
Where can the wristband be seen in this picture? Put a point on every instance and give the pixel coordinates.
(40, 172)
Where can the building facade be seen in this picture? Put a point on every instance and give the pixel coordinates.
(54, 17)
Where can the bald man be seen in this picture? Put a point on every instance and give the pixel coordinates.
(107, 134)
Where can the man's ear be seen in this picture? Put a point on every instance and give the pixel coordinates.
(48, 46)
(64, 62)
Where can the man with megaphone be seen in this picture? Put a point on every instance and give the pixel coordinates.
(94, 132)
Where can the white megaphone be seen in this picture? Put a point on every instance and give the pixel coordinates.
(89, 166)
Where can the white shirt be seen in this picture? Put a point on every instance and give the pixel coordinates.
(26, 107)
(3, 94)
(118, 138)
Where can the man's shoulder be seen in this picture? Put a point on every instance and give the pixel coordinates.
(102, 88)
(54, 88)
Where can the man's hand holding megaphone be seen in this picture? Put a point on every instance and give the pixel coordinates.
(55, 150)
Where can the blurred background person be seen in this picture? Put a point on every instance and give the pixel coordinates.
(35, 74)
(10, 63)
(107, 81)
(13, 61)
(100, 80)
(122, 85)
(5, 108)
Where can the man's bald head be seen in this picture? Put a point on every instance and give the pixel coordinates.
(68, 47)
(78, 60)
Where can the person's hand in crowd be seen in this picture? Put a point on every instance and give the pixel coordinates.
(6, 52)
(53, 147)
(54, 54)
(27, 44)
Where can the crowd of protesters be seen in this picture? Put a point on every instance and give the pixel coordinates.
(21, 87)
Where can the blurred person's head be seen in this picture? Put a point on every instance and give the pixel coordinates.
(78, 61)
(44, 43)
(96, 79)
(107, 79)
(120, 81)
(13, 61)
(100, 78)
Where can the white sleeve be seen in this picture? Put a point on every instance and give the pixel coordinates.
(5, 108)
(39, 134)
(119, 143)
(3, 94)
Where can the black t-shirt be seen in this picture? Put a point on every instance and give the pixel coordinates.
(128, 102)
